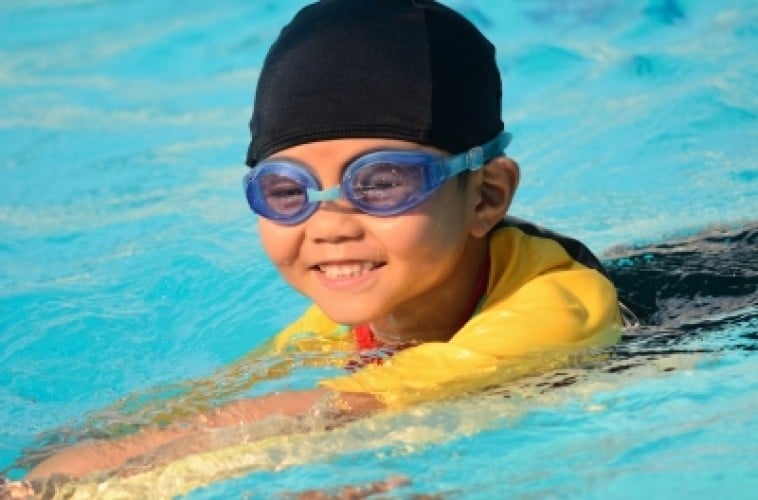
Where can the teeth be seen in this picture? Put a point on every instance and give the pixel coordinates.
(337, 271)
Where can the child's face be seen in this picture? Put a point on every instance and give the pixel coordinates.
(360, 268)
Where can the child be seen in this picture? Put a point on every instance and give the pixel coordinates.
(379, 175)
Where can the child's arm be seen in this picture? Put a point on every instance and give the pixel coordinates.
(97, 456)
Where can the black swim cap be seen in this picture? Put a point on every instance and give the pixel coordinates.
(399, 69)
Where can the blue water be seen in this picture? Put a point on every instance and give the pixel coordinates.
(128, 258)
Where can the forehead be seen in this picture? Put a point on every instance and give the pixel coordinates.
(342, 150)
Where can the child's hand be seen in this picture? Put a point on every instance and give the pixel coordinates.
(153, 446)
(15, 489)
(351, 492)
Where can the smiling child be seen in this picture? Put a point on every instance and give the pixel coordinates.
(379, 174)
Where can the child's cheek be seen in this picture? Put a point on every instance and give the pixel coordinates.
(402, 235)
(435, 227)
(280, 243)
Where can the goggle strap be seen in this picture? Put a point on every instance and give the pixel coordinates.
(474, 158)
(314, 195)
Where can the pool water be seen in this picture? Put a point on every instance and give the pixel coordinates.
(129, 260)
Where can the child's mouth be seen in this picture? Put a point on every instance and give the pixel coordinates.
(347, 270)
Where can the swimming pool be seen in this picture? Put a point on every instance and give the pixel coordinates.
(128, 258)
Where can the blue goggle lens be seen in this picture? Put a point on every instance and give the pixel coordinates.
(282, 195)
(388, 186)
(279, 191)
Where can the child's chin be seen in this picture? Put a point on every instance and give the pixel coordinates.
(350, 318)
(351, 321)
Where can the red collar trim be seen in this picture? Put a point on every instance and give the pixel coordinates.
(364, 337)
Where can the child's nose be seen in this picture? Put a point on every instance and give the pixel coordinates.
(333, 222)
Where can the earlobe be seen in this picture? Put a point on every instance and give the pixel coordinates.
(496, 186)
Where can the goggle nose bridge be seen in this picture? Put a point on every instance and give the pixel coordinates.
(314, 195)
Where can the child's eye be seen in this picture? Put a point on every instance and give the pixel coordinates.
(285, 192)
(282, 194)
(386, 183)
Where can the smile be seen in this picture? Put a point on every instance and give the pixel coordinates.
(347, 270)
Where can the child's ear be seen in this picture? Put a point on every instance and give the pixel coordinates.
(496, 184)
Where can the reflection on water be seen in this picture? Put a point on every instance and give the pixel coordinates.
(688, 287)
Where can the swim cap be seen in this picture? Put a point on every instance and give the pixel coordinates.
(413, 70)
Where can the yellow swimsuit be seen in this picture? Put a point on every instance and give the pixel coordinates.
(547, 297)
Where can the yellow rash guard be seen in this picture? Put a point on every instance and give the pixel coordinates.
(547, 297)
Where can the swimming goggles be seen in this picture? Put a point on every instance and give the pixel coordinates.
(380, 183)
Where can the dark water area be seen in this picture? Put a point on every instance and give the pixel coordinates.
(688, 287)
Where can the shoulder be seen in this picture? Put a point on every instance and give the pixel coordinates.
(520, 237)
(534, 270)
